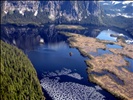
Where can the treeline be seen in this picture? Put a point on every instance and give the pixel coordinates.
(42, 18)
(18, 78)
(120, 22)
(14, 17)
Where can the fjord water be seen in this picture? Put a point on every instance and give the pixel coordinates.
(54, 58)
(56, 69)
(53, 62)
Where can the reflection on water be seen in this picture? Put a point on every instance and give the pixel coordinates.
(25, 37)
(63, 75)
(56, 56)
(53, 56)
(115, 46)
(105, 35)
(56, 46)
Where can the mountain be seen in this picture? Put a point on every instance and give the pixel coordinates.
(118, 8)
(118, 14)
(49, 11)
(18, 77)
(101, 13)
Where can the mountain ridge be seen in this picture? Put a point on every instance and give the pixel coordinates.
(52, 10)
(38, 13)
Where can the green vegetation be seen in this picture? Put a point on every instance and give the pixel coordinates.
(78, 27)
(28, 18)
(118, 21)
(42, 18)
(18, 77)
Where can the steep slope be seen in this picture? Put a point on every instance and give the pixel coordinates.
(39, 12)
(118, 14)
(100, 13)
(118, 8)
(18, 77)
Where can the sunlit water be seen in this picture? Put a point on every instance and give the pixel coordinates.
(105, 35)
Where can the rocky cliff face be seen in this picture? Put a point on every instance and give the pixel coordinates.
(53, 10)
(108, 13)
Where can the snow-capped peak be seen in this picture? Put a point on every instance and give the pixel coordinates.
(116, 2)
(123, 2)
(127, 2)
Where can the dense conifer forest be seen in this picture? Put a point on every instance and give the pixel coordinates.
(18, 77)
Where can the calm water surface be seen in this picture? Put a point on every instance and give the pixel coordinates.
(63, 77)
(105, 35)
(54, 65)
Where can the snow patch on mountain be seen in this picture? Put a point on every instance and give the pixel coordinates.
(123, 2)
(124, 7)
(5, 12)
(52, 17)
(105, 4)
(127, 2)
(21, 12)
(115, 2)
(119, 14)
(36, 12)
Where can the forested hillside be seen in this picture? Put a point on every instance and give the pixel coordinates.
(18, 76)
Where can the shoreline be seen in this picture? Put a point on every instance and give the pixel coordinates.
(82, 44)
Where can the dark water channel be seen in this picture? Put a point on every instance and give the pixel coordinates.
(62, 76)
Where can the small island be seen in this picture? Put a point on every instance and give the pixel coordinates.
(107, 70)
(78, 27)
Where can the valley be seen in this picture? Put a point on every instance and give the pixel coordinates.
(54, 63)
(66, 50)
